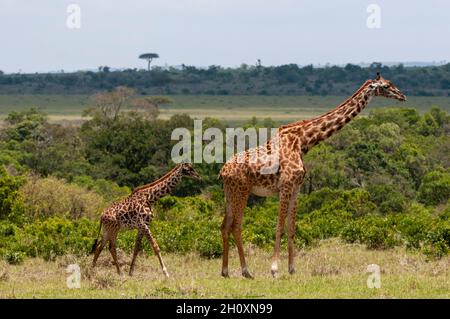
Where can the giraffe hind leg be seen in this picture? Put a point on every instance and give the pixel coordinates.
(99, 247)
(238, 201)
(226, 230)
(97, 252)
(113, 250)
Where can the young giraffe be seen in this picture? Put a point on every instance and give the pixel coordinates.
(276, 168)
(135, 212)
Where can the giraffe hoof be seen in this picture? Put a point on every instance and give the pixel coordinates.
(247, 275)
(225, 274)
(274, 273)
(292, 271)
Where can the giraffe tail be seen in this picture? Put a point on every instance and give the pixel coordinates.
(96, 238)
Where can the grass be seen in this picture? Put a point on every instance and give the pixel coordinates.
(233, 109)
(330, 270)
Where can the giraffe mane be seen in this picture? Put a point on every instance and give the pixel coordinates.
(159, 180)
(302, 122)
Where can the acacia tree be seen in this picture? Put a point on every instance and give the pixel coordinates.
(149, 57)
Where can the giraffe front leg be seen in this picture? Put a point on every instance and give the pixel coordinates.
(155, 247)
(291, 233)
(137, 248)
(292, 214)
(283, 210)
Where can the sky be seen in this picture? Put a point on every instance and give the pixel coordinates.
(35, 37)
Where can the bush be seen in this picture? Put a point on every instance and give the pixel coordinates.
(437, 242)
(435, 188)
(11, 204)
(414, 228)
(210, 245)
(110, 191)
(15, 258)
(47, 239)
(46, 197)
(374, 231)
(356, 201)
(193, 224)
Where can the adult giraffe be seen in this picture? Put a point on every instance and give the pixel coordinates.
(276, 168)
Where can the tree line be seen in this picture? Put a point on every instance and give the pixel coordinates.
(289, 79)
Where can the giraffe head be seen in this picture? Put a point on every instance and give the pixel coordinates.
(188, 170)
(383, 87)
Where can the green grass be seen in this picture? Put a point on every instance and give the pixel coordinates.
(228, 108)
(331, 270)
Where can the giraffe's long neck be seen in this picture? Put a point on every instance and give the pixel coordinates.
(161, 187)
(320, 128)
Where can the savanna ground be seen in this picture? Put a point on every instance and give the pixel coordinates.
(330, 270)
(232, 109)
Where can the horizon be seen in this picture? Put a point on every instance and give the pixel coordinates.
(202, 32)
(406, 64)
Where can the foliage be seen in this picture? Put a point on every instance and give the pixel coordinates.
(108, 105)
(47, 238)
(435, 188)
(110, 191)
(193, 224)
(11, 205)
(15, 257)
(46, 197)
(289, 79)
(383, 181)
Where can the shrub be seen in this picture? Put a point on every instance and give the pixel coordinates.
(210, 245)
(435, 188)
(48, 238)
(356, 201)
(414, 228)
(193, 224)
(327, 223)
(110, 191)
(15, 257)
(11, 204)
(374, 231)
(445, 214)
(46, 197)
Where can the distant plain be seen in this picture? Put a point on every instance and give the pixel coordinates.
(231, 109)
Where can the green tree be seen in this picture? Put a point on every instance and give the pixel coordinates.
(25, 125)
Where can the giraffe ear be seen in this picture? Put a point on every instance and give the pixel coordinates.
(378, 76)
